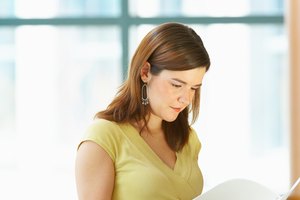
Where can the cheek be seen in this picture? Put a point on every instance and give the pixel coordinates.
(160, 93)
(163, 91)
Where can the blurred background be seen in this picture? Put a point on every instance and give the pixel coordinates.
(61, 61)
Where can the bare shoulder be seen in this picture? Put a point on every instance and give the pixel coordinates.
(94, 172)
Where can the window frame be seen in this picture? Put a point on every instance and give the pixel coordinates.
(125, 21)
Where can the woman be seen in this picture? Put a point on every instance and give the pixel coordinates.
(142, 146)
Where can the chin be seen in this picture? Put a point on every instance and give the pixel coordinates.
(167, 120)
(170, 119)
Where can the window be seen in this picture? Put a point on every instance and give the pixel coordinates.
(62, 61)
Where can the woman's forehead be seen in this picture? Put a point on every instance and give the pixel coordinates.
(192, 76)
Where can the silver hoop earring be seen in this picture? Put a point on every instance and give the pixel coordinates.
(145, 99)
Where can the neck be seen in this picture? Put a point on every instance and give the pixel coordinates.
(154, 125)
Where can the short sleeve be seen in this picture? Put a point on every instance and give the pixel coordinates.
(104, 133)
(195, 143)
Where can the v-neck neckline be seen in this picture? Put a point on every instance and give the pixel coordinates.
(147, 150)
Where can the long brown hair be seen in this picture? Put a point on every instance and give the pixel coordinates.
(171, 46)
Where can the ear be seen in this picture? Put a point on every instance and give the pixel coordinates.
(145, 72)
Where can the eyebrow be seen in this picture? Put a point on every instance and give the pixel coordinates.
(183, 82)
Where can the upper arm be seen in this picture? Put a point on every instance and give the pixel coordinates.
(94, 172)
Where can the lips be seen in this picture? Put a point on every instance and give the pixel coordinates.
(176, 109)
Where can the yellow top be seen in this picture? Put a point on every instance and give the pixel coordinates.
(140, 173)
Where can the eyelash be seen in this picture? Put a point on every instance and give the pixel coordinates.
(175, 85)
(179, 86)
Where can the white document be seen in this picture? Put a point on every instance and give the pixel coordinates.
(242, 189)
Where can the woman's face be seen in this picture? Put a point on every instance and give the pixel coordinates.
(171, 92)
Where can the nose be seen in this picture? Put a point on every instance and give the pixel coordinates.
(183, 100)
(185, 97)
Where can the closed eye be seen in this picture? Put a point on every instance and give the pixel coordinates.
(196, 87)
(175, 85)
